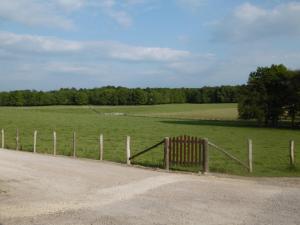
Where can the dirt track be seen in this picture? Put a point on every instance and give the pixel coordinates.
(39, 189)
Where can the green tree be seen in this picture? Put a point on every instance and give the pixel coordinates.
(80, 98)
(293, 96)
(266, 94)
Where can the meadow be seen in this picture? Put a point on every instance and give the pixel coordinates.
(148, 125)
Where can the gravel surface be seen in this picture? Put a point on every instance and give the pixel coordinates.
(41, 189)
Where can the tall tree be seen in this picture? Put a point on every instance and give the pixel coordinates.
(267, 94)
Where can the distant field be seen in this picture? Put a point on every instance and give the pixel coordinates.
(147, 125)
(183, 111)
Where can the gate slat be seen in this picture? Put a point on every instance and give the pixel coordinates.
(181, 139)
(186, 150)
(200, 151)
(173, 148)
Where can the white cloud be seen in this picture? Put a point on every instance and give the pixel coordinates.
(71, 68)
(250, 22)
(55, 13)
(118, 10)
(135, 2)
(194, 65)
(29, 44)
(49, 62)
(248, 13)
(70, 5)
(136, 53)
(33, 13)
(184, 39)
(191, 4)
(121, 17)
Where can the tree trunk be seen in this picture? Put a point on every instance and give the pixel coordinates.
(293, 116)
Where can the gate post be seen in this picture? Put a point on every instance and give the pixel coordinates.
(54, 142)
(128, 150)
(34, 141)
(250, 155)
(17, 140)
(292, 152)
(167, 153)
(2, 137)
(101, 147)
(74, 144)
(205, 156)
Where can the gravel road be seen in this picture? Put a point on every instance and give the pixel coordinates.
(41, 189)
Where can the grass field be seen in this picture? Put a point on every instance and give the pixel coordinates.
(148, 125)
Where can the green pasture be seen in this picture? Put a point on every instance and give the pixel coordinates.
(148, 125)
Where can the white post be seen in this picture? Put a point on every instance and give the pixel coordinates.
(2, 138)
(292, 152)
(74, 144)
(128, 150)
(101, 147)
(250, 155)
(17, 139)
(34, 141)
(54, 142)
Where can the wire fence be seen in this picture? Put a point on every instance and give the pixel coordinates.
(114, 149)
(85, 146)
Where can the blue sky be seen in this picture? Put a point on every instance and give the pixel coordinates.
(49, 44)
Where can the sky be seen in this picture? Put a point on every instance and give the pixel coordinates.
(52, 44)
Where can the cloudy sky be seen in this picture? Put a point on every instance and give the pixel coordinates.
(49, 44)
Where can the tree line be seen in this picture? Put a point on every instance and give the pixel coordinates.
(111, 95)
(271, 95)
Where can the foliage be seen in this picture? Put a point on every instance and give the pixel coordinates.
(271, 93)
(120, 96)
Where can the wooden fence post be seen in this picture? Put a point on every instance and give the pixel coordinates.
(54, 142)
(101, 147)
(292, 152)
(250, 158)
(74, 144)
(205, 156)
(167, 153)
(34, 141)
(2, 139)
(17, 139)
(128, 150)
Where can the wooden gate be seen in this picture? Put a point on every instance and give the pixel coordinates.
(187, 151)
(190, 151)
